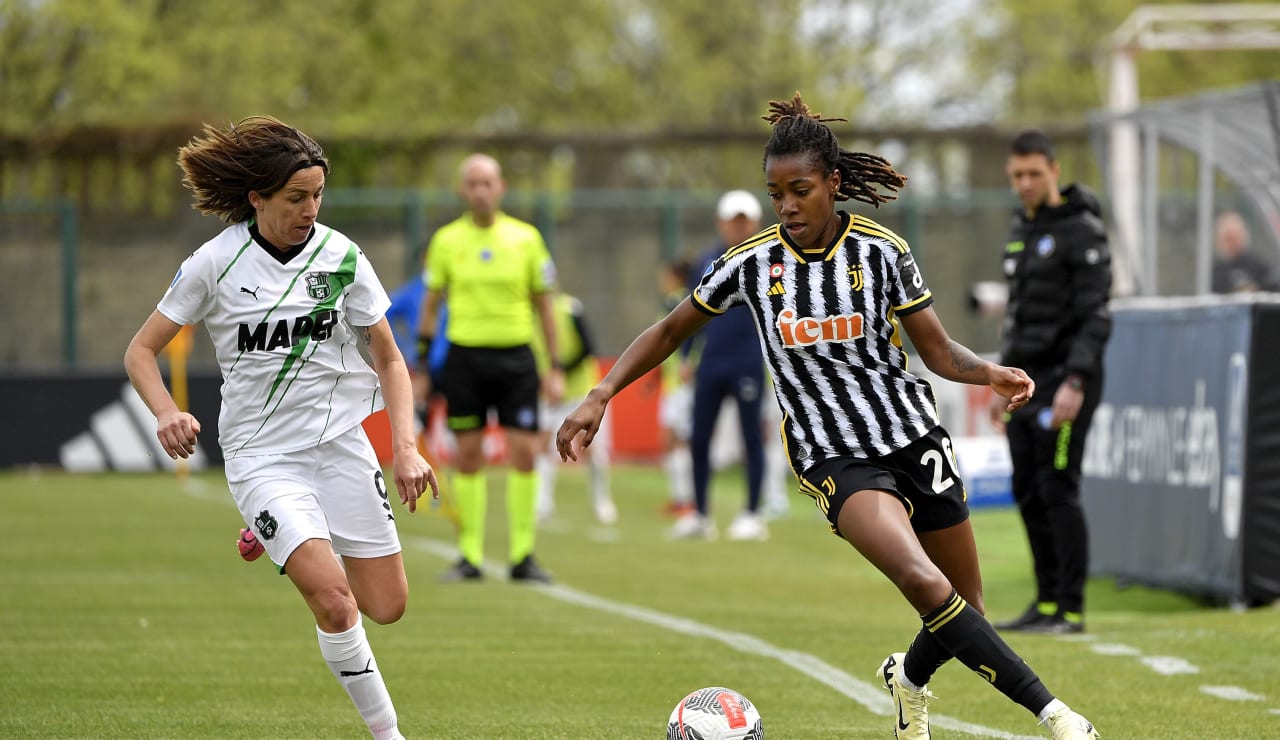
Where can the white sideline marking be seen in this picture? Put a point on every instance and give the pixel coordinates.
(1167, 665)
(1111, 648)
(870, 696)
(1232, 693)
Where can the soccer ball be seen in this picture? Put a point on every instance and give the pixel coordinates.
(715, 713)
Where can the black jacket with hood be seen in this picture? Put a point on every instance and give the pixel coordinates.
(1059, 272)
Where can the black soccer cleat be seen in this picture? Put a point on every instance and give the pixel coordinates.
(1056, 625)
(1026, 621)
(529, 570)
(462, 570)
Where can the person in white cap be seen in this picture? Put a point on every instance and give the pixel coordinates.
(729, 365)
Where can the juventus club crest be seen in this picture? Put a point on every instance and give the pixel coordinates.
(317, 285)
(855, 273)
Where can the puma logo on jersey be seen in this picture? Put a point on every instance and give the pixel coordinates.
(253, 292)
(806, 330)
(288, 332)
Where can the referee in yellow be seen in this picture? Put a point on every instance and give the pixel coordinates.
(496, 274)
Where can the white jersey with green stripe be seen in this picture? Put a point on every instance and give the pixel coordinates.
(828, 322)
(293, 375)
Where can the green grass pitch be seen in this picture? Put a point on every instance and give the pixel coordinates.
(125, 612)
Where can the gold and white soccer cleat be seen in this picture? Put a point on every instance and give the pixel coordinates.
(1067, 725)
(912, 722)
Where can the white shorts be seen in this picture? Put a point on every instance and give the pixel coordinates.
(675, 411)
(334, 492)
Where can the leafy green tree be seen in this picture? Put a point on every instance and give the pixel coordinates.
(1053, 55)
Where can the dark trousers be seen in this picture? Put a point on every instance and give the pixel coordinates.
(711, 386)
(1046, 487)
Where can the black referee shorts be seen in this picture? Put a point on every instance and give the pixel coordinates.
(923, 475)
(477, 379)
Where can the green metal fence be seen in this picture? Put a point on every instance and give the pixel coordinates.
(608, 246)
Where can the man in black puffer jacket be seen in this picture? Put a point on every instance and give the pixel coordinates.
(1057, 324)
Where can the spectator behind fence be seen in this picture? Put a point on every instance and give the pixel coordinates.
(496, 274)
(675, 409)
(581, 371)
(1056, 326)
(283, 296)
(1236, 267)
(729, 365)
(830, 291)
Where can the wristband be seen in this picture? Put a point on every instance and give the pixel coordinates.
(424, 349)
(1075, 382)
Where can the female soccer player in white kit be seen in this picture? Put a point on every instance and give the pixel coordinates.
(292, 307)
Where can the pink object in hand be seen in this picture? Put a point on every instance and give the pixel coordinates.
(250, 547)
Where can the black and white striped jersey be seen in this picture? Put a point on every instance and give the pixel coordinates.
(827, 322)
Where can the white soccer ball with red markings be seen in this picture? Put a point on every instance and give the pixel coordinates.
(715, 713)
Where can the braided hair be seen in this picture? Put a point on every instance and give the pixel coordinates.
(798, 130)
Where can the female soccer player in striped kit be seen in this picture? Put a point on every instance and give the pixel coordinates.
(829, 291)
(290, 305)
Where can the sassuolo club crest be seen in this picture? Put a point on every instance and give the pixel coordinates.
(317, 285)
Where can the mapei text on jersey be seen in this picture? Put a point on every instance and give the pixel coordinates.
(317, 327)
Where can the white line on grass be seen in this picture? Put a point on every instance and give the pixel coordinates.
(870, 696)
(1232, 693)
(1111, 648)
(1167, 665)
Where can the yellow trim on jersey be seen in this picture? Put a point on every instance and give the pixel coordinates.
(751, 242)
(831, 250)
(927, 294)
(896, 337)
(792, 250)
(950, 612)
(867, 226)
(786, 453)
(698, 299)
(828, 251)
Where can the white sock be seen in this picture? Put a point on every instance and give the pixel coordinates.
(679, 465)
(906, 682)
(598, 466)
(351, 660)
(775, 476)
(546, 468)
(1050, 708)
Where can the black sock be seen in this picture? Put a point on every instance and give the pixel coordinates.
(964, 633)
(925, 656)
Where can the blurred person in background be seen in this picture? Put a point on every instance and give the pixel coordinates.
(291, 306)
(675, 409)
(775, 499)
(830, 291)
(581, 371)
(1236, 268)
(729, 364)
(1056, 326)
(497, 276)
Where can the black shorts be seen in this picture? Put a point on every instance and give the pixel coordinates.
(504, 379)
(923, 475)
